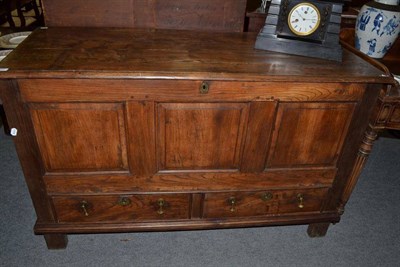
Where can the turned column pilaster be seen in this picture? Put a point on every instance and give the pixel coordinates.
(364, 151)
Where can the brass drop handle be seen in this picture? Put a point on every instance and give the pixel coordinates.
(124, 201)
(84, 207)
(161, 205)
(232, 202)
(300, 198)
(266, 196)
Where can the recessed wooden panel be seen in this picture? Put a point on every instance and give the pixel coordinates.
(309, 134)
(81, 137)
(200, 135)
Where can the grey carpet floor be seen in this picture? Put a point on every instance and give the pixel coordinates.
(368, 234)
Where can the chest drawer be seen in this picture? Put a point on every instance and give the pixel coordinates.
(259, 203)
(121, 208)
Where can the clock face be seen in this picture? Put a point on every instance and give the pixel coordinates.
(304, 19)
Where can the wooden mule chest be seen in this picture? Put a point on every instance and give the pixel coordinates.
(149, 130)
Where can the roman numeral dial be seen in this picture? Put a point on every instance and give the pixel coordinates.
(304, 19)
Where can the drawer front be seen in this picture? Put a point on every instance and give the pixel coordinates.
(121, 208)
(272, 202)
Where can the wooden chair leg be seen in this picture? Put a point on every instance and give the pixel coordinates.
(10, 18)
(36, 9)
(21, 14)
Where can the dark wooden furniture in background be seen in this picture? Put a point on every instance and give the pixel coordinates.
(148, 130)
(255, 21)
(387, 111)
(350, 12)
(5, 11)
(8, 6)
(253, 4)
(207, 15)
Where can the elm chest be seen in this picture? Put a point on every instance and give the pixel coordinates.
(150, 130)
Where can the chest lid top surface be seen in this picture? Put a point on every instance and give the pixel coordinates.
(171, 54)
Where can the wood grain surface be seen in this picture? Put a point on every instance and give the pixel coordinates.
(247, 204)
(112, 121)
(210, 15)
(170, 54)
(109, 209)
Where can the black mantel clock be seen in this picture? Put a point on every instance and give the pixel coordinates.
(303, 27)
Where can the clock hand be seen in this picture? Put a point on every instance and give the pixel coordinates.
(298, 13)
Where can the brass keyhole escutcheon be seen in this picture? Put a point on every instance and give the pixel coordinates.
(124, 201)
(266, 196)
(84, 208)
(300, 198)
(204, 87)
(232, 201)
(161, 205)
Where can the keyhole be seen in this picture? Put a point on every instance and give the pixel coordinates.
(204, 88)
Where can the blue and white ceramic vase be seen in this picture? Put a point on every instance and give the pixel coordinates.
(377, 27)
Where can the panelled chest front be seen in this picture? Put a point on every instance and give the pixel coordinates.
(142, 130)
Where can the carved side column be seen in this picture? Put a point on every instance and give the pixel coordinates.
(363, 154)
